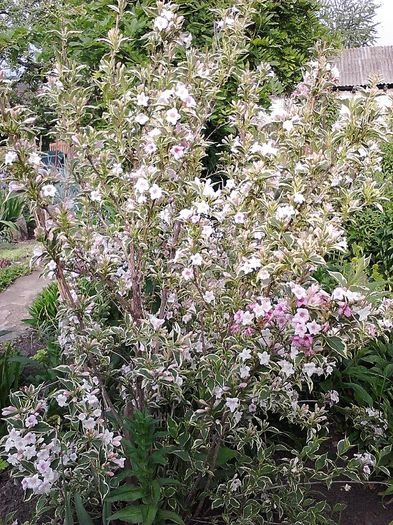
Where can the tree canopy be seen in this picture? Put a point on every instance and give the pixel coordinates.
(353, 20)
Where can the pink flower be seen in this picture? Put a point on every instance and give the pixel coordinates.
(344, 309)
(150, 148)
(300, 329)
(188, 274)
(301, 316)
(314, 328)
(177, 152)
(31, 421)
(238, 316)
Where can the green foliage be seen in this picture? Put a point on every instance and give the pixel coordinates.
(364, 384)
(43, 311)
(9, 274)
(10, 377)
(145, 456)
(43, 363)
(354, 21)
(11, 208)
(370, 232)
(283, 33)
(367, 378)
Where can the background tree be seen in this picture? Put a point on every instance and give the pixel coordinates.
(353, 20)
(283, 33)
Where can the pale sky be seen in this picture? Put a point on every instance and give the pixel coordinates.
(385, 18)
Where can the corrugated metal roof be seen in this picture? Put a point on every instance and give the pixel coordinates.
(357, 65)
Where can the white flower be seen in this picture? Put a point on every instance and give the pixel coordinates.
(165, 96)
(286, 368)
(298, 198)
(248, 318)
(363, 313)
(239, 218)
(155, 192)
(10, 158)
(141, 118)
(277, 108)
(309, 369)
(268, 149)
(202, 208)
(232, 403)
(207, 230)
(235, 484)
(48, 190)
(155, 322)
(8, 411)
(264, 358)
(190, 102)
(117, 169)
(35, 159)
(333, 396)
(89, 423)
(142, 100)
(181, 91)
(244, 372)
(285, 212)
(95, 196)
(288, 125)
(154, 133)
(172, 116)
(15, 186)
(32, 482)
(208, 297)
(338, 294)
(167, 13)
(245, 354)
(142, 185)
(61, 400)
(196, 259)
(161, 23)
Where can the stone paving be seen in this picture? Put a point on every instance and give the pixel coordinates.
(15, 302)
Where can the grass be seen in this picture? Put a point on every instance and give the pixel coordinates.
(19, 255)
(9, 274)
(17, 252)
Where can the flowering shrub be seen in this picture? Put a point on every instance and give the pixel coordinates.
(223, 329)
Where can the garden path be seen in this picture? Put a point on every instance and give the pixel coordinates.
(15, 302)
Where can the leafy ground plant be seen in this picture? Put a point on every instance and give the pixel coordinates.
(221, 329)
(10, 377)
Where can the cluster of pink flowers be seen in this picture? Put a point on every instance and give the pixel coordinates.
(301, 320)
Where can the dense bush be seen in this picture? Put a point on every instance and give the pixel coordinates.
(370, 232)
(197, 401)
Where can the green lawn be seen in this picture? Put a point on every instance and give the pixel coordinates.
(19, 256)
